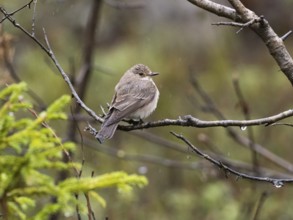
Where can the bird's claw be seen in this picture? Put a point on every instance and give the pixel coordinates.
(134, 121)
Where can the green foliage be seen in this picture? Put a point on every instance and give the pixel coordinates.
(30, 155)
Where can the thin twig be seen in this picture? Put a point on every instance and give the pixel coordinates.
(236, 24)
(88, 203)
(277, 182)
(260, 204)
(67, 80)
(90, 209)
(246, 112)
(279, 123)
(125, 5)
(161, 142)
(34, 17)
(50, 53)
(77, 210)
(7, 15)
(284, 37)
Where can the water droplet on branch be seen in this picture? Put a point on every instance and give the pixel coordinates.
(278, 184)
(243, 128)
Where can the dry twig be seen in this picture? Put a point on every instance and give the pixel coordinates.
(277, 182)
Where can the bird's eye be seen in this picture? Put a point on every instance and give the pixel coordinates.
(141, 74)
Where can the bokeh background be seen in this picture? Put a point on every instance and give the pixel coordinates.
(176, 39)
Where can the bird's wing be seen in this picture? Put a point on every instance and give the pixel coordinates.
(127, 101)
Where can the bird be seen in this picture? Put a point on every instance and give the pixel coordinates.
(136, 97)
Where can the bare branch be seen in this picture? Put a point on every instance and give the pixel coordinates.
(7, 15)
(262, 28)
(260, 204)
(125, 5)
(161, 142)
(34, 17)
(67, 80)
(284, 37)
(277, 182)
(246, 112)
(285, 124)
(240, 9)
(237, 24)
(190, 121)
(198, 123)
(242, 140)
(50, 53)
(215, 8)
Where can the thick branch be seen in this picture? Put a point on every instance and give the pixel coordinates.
(273, 42)
(262, 28)
(276, 48)
(215, 8)
(240, 9)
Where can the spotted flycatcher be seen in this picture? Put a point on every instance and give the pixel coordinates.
(136, 97)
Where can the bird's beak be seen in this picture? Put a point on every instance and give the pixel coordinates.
(153, 74)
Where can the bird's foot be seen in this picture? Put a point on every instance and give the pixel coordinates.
(134, 121)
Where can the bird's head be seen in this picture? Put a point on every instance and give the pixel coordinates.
(142, 71)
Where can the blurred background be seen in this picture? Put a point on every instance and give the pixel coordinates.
(195, 59)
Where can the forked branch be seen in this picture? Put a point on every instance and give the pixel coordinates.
(240, 14)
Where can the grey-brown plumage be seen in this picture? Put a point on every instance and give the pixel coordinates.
(136, 97)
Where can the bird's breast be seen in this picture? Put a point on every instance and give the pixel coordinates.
(147, 109)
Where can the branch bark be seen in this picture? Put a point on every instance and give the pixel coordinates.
(190, 121)
(215, 8)
(261, 27)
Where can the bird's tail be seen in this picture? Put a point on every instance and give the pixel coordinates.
(106, 132)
